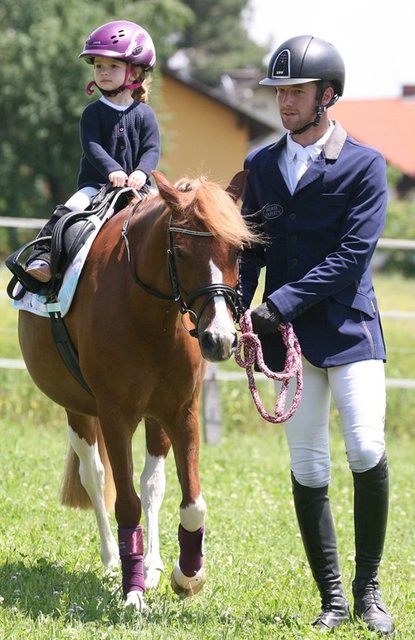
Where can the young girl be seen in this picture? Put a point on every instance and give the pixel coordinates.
(119, 132)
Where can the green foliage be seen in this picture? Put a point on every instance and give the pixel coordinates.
(400, 221)
(400, 224)
(216, 41)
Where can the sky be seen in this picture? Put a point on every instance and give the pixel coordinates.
(376, 38)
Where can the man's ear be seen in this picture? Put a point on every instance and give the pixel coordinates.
(328, 95)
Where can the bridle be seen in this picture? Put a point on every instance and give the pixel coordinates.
(230, 294)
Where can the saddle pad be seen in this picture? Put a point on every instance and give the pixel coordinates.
(38, 304)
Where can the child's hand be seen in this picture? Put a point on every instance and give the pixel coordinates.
(118, 178)
(137, 179)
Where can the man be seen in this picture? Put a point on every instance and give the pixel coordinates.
(320, 197)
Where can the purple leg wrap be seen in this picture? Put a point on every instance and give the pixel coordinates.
(191, 550)
(130, 542)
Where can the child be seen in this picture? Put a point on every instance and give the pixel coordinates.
(119, 132)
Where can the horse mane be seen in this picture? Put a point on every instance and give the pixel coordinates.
(210, 204)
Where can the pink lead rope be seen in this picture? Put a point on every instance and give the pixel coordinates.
(251, 346)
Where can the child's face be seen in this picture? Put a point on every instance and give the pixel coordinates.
(109, 73)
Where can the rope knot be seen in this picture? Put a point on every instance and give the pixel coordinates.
(250, 344)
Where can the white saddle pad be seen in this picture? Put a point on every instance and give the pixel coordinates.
(38, 304)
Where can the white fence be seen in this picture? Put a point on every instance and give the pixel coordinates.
(211, 389)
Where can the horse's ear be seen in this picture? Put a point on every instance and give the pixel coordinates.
(236, 186)
(169, 193)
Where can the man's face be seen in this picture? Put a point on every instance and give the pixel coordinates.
(297, 104)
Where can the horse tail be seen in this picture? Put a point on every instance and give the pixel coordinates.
(73, 493)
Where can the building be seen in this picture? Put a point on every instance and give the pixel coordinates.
(204, 132)
(387, 124)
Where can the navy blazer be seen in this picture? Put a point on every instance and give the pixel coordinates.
(320, 243)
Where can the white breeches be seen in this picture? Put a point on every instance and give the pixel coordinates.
(358, 392)
(81, 199)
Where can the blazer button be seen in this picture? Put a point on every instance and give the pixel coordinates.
(292, 216)
(294, 262)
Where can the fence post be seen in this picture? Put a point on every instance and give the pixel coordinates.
(211, 406)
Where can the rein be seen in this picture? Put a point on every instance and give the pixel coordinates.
(251, 346)
(212, 290)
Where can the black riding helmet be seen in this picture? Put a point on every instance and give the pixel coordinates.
(307, 59)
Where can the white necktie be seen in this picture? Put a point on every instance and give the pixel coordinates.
(301, 163)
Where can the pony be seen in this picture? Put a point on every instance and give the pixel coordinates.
(157, 299)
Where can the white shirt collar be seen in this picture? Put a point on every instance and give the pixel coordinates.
(312, 150)
(117, 107)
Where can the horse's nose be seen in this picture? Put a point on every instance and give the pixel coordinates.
(216, 346)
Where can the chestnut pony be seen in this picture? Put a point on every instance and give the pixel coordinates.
(157, 298)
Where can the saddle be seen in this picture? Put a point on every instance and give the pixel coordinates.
(69, 235)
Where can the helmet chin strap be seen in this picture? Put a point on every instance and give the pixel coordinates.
(114, 92)
(320, 109)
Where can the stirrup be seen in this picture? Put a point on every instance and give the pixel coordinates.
(16, 263)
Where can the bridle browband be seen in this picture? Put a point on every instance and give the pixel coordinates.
(230, 294)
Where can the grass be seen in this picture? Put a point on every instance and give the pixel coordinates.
(259, 586)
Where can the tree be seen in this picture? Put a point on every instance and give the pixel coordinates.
(43, 95)
(217, 41)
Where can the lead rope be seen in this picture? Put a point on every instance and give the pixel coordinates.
(251, 346)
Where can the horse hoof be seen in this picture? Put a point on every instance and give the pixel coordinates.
(152, 577)
(183, 585)
(135, 599)
(111, 559)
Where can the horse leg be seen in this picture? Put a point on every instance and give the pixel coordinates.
(92, 475)
(127, 505)
(152, 489)
(188, 576)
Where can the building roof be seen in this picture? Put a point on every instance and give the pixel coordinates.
(387, 125)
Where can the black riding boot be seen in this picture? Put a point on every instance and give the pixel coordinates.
(42, 247)
(313, 511)
(371, 497)
(41, 270)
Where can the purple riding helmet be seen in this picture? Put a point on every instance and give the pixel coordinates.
(122, 40)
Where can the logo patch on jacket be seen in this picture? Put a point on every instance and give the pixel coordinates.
(271, 211)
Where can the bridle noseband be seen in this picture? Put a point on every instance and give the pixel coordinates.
(230, 294)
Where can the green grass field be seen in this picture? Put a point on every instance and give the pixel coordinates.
(259, 586)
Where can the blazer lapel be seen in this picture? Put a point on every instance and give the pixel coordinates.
(331, 151)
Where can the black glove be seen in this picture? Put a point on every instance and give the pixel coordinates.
(265, 319)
